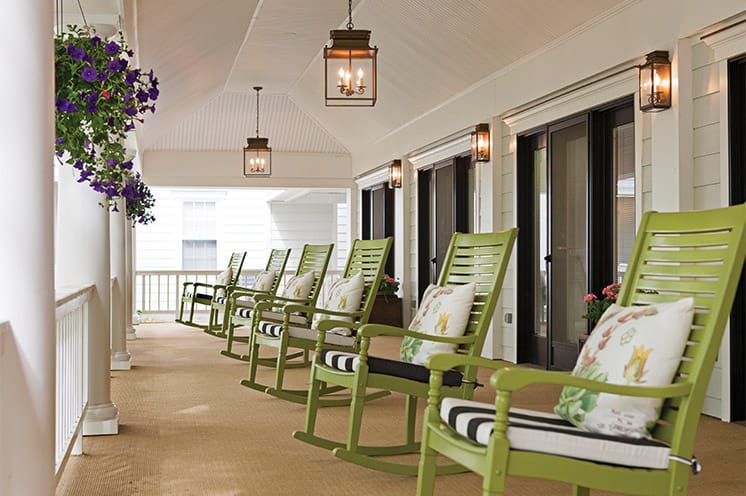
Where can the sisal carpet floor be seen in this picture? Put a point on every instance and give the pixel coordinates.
(188, 428)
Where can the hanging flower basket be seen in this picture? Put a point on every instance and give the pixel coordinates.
(99, 97)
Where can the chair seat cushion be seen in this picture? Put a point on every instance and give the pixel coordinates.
(529, 430)
(348, 362)
(203, 296)
(275, 329)
(220, 300)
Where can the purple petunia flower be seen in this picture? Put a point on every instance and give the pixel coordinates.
(111, 48)
(88, 74)
(153, 93)
(113, 66)
(91, 108)
(152, 109)
(87, 144)
(127, 165)
(61, 104)
(127, 97)
(129, 126)
(110, 121)
(60, 153)
(75, 53)
(130, 78)
(103, 76)
(131, 111)
(59, 141)
(142, 96)
(88, 58)
(95, 40)
(84, 175)
(111, 162)
(78, 164)
(114, 208)
(130, 53)
(123, 64)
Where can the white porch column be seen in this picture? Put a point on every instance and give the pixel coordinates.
(129, 280)
(84, 258)
(27, 351)
(120, 357)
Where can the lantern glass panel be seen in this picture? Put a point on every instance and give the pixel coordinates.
(257, 162)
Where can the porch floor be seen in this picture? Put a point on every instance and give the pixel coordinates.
(188, 428)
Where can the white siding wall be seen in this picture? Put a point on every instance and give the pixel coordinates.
(706, 153)
(295, 224)
(246, 221)
(507, 296)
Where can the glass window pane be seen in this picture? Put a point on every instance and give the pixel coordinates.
(199, 254)
(624, 173)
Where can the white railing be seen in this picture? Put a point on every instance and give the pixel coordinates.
(159, 291)
(71, 388)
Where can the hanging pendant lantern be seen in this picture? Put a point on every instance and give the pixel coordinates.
(257, 155)
(350, 67)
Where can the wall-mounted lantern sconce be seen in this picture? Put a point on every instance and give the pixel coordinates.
(257, 155)
(655, 82)
(480, 143)
(350, 67)
(395, 174)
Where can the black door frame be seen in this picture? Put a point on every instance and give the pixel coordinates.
(737, 193)
(389, 208)
(599, 222)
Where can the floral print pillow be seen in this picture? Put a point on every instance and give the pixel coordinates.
(223, 279)
(299, 287)
(639, 345)
(343, 296)
(444, 311)
(264, 280)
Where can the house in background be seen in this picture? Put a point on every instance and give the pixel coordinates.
(573, 162)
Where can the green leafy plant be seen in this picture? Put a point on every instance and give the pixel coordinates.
(99, 97)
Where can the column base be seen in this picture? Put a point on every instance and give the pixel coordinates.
(121, 360)
(101, 420)
(131, 334)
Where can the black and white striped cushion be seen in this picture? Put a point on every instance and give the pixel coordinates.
(270, 328)
(244, 312)
(529, 430)
(348, 362)
(203, 296)
(221, 299)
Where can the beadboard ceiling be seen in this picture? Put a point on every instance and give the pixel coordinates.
(209, 53)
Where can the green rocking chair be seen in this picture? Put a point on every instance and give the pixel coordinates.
(474, 262)
(367, 259)
(275, 264)
(194, 293)
(688, 254)
(314, 260)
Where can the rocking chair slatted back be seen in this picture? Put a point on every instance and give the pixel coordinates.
(236, 264)
(277, 261)
(478, 258)
(699, 254)
(315, 258)
(368, 257)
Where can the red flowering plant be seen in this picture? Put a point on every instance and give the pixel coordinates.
(596, 307)
(98, 99)
(389, 286)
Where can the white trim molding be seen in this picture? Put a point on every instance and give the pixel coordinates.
(453, 145)
(728, 41)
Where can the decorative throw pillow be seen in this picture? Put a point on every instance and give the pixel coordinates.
(343, 296)
(263, 280)
(223, 279)
(443, 311)
(299, 287)
(639, 345)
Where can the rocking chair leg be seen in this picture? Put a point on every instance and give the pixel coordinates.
(280, 370)
(426, 471)
(356, 418)
(312, 404)
(410, 418)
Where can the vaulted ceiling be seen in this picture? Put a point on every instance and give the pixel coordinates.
(208, 54)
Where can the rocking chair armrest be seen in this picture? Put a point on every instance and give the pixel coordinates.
(372, 330)
(329, 324)
(514, 379)
(245, 292)
(284, 300)
(289, 308)
(203, 284)
(447, 361)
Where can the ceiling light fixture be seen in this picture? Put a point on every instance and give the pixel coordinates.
(350, 63)
(257, 155)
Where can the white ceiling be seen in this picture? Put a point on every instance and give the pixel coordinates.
(209, 53)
